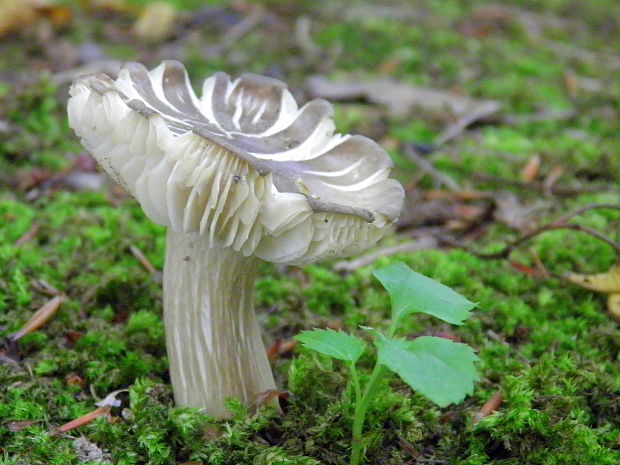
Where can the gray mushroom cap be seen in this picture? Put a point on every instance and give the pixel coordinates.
(242, 164)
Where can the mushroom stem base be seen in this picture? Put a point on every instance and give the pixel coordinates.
(213, 339)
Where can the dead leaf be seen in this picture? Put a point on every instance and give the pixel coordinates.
(73, 379)
(399, 97)
(156, 22)
(280, 348)
(19, 425)
(4, 358)
(58, 15)
(571, 83)
(450, 336)
(530, 170)
(511, 212)
(27, 179)
(607, 282)
(613, 305)
(335, 324)
(15, 15)
(551, 178)
(468, 213)
(408, 447)
(273, 350)
(266, 397)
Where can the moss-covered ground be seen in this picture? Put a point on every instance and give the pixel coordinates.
(550, 348)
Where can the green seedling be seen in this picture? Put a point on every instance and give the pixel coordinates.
(438, 368)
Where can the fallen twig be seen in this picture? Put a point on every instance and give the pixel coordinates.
(401, 97)
(543, 115)
(584, 209)
(84, 419)
(560, 223)
(40, 317)
(478, 113)
(584, 55)
(243, 27)
(148, 266)
(303, 39)
(19, 425)
(42, 286)
(28, 235)
(539, 186)
(441, 179)
(489, 407)
(4, 358)
(144, 261)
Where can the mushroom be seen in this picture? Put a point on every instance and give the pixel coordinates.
(239, 175)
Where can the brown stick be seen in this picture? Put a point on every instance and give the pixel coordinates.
(148, 266)
(84, 419)
(539, 186)
(40, 317)
(28, 235)
(489, 407)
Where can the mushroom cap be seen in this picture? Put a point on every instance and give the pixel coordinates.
(242, 165)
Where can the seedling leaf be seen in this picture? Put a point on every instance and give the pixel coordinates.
(413, 292)
(435, 367)
(336, 344)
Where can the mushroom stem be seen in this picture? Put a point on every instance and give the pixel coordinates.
(213, 339)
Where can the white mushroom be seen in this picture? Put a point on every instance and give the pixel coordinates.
(239, 174)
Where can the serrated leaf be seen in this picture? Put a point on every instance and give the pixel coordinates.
(435, 367)
(413, 292)
(336, 344)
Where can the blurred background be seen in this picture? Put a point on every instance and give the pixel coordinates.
(463, 94)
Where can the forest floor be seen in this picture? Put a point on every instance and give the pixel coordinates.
(522, 128)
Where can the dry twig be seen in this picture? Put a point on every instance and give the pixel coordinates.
(40, 317)
(560, 223)
(84, 419)
(489, 407)
(28, 235)
(440, 179)
(539, 186)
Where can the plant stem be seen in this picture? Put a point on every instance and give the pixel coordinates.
(361, 405)
(360, 411)
(355, 379)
